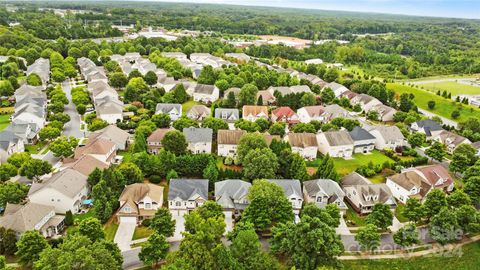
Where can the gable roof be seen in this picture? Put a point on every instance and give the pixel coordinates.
(199, 110)
(433, 173)
(360, 134)
(284, 111)
(195, 135)
(302, 139)
(226, 136)
(97, 146)
(204, 89)
(186, 188)
(338, 137)
(69, 182)
(254, 110)
(328, 186)
(314, 111)
(290, 186)
(228, 113)
(168, 107)
(138, 191)
(229, 190)
(390, 133)
(87, 164)
(112, 133)
(353, 179)
(158, 134)
(23, 218)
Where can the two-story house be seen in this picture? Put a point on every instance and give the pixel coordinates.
(428, 127)
(363, 141)
(199, 112)
(138, 202)
(252, 113)
(206, 93)
(99, 148)
(232, 196)
(174, 110)
(154, 141)
(185, 195)
(227, 142)
(293, 191)
(388, 137)
(199, 139)
(285, 114)
(304, 144)
(322, 192)
(311, 113)
(335, 143)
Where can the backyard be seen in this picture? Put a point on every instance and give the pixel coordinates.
(346, 166)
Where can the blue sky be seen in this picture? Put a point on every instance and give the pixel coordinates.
(437, 8)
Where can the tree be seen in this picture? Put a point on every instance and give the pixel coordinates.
(140, 144)
(248, 142)
(214, 123)
(436, 151)
(381, 216)
(246, 249)
(151, 78)
(7, 171)
(174, 141)
(6, 88)
(303, 127)
(330, 216)
(49, 133)
(134, 88)
(268, 205)
(468, 218)
(63, 146)
(458, 198)
(414, 210)
(34, 168)
(373, 115)
(69, 218)
(8, 241)
(327, 96)
(277, 128)
(34, 80)
(472, 188)
(161, 120)
(463, 157)
(248, 94)
(131, 172)
(162, 223)
(207, 76)
(211, 172)
(416, 139)
(326, 169)
(29, 246)
(434, 202)
(298, 168)
(18, 159)
(368, 237)
(455, 114)
(97, 124)
(184, 122)
(154, 250)
(12, 192)
(406, 236)
(444, 227)
(117, 79)
(406, 103)
(260, 163)
(331, 75)
(431, 104)
(91, 228)
(263, 124)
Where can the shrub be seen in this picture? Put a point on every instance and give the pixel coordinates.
(156, 179)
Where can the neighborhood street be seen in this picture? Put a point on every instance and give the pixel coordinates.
(71, 128)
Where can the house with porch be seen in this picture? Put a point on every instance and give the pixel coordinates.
(322, 192)
(138, 202)
(185, 195)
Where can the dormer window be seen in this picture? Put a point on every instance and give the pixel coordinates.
(319, 199)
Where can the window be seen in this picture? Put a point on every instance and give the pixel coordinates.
(319, 199)
(178, 204)
(148, 205)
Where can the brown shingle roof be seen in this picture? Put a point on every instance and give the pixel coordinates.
(98, 146)
(302, 139)
(229, 136)
(86, 164)
(158, 135)
(254, 110)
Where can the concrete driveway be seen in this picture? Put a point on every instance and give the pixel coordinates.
(179, 228)
(124, 235)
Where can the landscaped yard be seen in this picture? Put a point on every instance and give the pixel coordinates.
(4, 121)
(454, 88)
(346, 166)
(35, 148)
(110, 230)
(189, 104)
(80, 217)
(353, 218)
(399, 211)
(141, 232)
(466, 258)
(444, 107)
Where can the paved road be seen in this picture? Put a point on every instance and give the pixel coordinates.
(71, 128)
(445, 121)
(459, 79)
(131, 260)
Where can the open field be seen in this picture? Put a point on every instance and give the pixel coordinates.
(444, 107)
(455, 88)
(466, 258)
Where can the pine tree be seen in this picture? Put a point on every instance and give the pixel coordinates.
(326, 169)
(298, 168)
(140, 144)
(211, 172)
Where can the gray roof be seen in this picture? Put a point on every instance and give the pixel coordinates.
(360, 134)
(204, 89)
(331, 188)
(167, 107)
(21, 218)
(290, 186)
(340, 137)
(390, 133)
(186, 188)
(68, 182)
(429, 125)
(229, 190)
(194, 135)
(228, 113)
(353, 179)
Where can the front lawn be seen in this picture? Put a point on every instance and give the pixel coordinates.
(35, 148)
(110, 230)
(346, 166)
(141, 232)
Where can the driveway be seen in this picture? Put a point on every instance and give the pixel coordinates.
(71, 128)
(179, 228)
(342, 229)
(124, 235)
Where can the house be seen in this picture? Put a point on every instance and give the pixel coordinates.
(239, 56)
(285, 114)
(293, 192)
(450, 140)
(86, 165)
(336, 143)
(428, 127)
(314, 61)
(32, 216)
(199, 139)
(417, 182)
(114, 134)
(176, 55)
(228, 115)
(232, 196)
(65, 191)
(296, 89)
(362, 195)
(333, 111)
(267, 97)
(174, 110)
(310, 113)
(198, 112)
(101, 149)
(385, 113)
(206, 93)
(304, 144)
(41, 67)
(365, 101)
(109, 109)
(138, 202)
(252, 113)
(348, 94)
(184, 195)
(337, 88)
(322, 192)
(227, 141)
(154, 141)
(10, 143)
(363, 141)
(282, 90)
(234, 90)
(29, 113)
(388, 137)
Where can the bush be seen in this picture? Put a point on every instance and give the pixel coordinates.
(146, 222)
(155, 179)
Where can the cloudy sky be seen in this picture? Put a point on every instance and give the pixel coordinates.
(439, 8)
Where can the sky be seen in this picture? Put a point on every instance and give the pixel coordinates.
(436, 8)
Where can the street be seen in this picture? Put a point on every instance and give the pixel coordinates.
(71, 128)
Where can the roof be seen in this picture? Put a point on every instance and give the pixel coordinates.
(168, 107)
(334, 111)
(433, 173)
(334, 86)
(354, 178)
(300, 89)
(225, 136)
(186, 188)
(364, 98)
(195, 135)
(429, 125)
(381, 190)
(254, 110)
(199, 110)
(112, 133)
(336, 138)
(266, 95)
(23, 218)
(87, 164)
(389, 133)
(204, 89)
(227, 191)
(69, 182)
(158, 134)
(138, 191)
(448, 137)
(97, 146)
(302, 140)
(290, 186)
(284, 111)
(407, 180)
(227, 114)
(314, 111)
(328, 186)
(283, 90)
(235, 91)
(360, 134)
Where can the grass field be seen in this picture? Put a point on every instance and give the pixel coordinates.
(353, 218)
(345, 166)
(110, 231)
(141, 232)
(466, 258)
(454, 88)
(444, 107)
(4, 121)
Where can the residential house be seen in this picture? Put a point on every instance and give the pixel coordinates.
(362, 195)
(388, 137)
(252, 113)
(314, 61)
(198, 112)
(322, 192)
(174, 110)
(234, 90)
(365, 101)
(85, 164)
(227, 141)
(30, 113)
(450, 140)
(109, 109)
(232, 196)
(310, 113)
(114, 134)
(337, 88)
(99, 148)
(285, 114)
(138, 202)
(267, 97)
(363, 141)
(228, 115)
(41, 67)
(418, 182)
(239, 56)
(206, 93)
(32, 216)
(293, 191)
(304, 144)
(333, 111)
(154, 141)
(199, 139)
(176, 55)
(385, 113)
(336, 143)
(65, 191)
(185, 195)
(428, 127)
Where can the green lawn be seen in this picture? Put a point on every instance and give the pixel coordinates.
(346, 166)
(189, 104)
(465, 258)
(398, 212)
(444, 107)
(80, 217)
(454, 88)
(35, 148)
(141, 232)
(110, 231)
(4, 121)
(353, 218)
(377, 179)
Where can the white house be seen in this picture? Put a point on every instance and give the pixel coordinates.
(184, 195)
(206, 93)
(174, 110)
(310, 113)
(99, 148)
(337, 88)
(450, 140)
(199, 139)
(365, 101)
(227, 141)
(232, 196)
(335, 143)
(65, 191)
(304, 144)
(109, 109)
(322, 192)
(363, 141)
(388, 137)
(252, 113)
(139, 201)
(428, 127)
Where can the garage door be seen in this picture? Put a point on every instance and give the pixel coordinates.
(128, 220)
